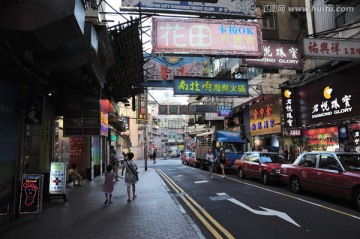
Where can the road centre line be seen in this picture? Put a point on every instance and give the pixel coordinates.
(190, 202)
(297, 198)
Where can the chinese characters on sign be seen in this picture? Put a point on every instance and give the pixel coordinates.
(141, 109)
(200, 86)
(57, 183)
(203, 36)
(265, 116)
(325, 48)
(288, 107)
(331, 106)
(278, 55)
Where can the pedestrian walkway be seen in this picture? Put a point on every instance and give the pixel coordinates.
(154, 214)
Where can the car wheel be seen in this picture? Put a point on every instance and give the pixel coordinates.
(265, 178)
(295, 185)
(356, 198)
(241, 173)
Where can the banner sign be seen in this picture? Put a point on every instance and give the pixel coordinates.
(186, 109)
(331, 49)
(206, 37)
(211, 86)
(235, 8)
(166, 67)
(278, 55)
(31, 193)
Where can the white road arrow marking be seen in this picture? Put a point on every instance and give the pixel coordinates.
(266, 212)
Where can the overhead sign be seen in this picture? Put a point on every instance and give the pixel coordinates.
(331, 49)
(166, 67)
(237, 8)
(206, 37)
(211, 86)
(277, 55)
(186, 109)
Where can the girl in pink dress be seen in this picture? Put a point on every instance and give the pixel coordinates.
(108, 186)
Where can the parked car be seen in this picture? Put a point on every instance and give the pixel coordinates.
(192, 160)
(185, 157)
(261, 165)
(331, 173)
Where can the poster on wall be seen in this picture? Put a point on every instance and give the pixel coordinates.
(34, 109)
(31, 193)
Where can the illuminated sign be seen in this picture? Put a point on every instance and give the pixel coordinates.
(237, 8)
(211, 86)
(277, 55)
(31, 193)
(206, 36)
(104, 117)
(288, 107)
(329, 48)
(141, 110)
(225, 111)
(57, 183)
(265, 116)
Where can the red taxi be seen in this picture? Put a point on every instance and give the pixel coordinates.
(332, 173)
(261, 165)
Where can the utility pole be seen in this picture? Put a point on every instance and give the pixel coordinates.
(145, 130)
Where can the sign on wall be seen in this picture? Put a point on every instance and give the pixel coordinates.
(265, 116)
(211, 86)
(288, 107)
(31, 193)
(235, 8)
(279, 55)
(206, 36)
(333, 49)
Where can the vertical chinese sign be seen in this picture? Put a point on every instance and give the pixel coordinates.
(141, 110)
(57, 183)
(288, 107)
(31, 193)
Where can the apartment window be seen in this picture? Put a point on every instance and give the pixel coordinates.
(268, 21)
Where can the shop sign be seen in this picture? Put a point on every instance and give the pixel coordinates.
(225, 111)
(294, 132)
(104, 117)
(211, 86)
(278, 55)
(344, 139)
(31, 193)
(206, 37)
(265, 117)
(333, 49)
(288, 107)
(57, 182)
(141, 110)
(239, 8)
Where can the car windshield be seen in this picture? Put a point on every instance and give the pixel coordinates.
(271, 158)
(232, 147)
(351, 162)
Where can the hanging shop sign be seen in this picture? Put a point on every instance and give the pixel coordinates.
(104, 117)
(279, 55)
(163, 68)
(206, 37)
(329, 99)
(31, 193)
(288, 107)
(211, 86)
(265, 116)
(333, 49)
(235, 9)
(225, 111)
(186, 109)
(141, 110)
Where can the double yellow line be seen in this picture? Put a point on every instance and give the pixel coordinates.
(210, 223)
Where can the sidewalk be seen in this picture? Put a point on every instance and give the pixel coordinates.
(154, 214)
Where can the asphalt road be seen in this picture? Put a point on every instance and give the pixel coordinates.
(244, 208)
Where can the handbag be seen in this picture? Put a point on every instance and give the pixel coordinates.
(136, 173)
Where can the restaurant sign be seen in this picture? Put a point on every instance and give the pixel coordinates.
(206, 37)
(329, 48)
(279, 55)
(211, 86)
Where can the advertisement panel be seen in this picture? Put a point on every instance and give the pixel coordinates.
(166, 67)
(31, 193)
(278, 55)
(265, 116)
(331, 49)
(57, 183)
(206, 36)
(211, 86)
(234, 8)
(332, 98)
(288, 107)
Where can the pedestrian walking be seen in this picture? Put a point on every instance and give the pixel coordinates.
(222, 160)
(114, 161)
(154, 155)
(108, 186)
(131, 175)
(211, 160)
